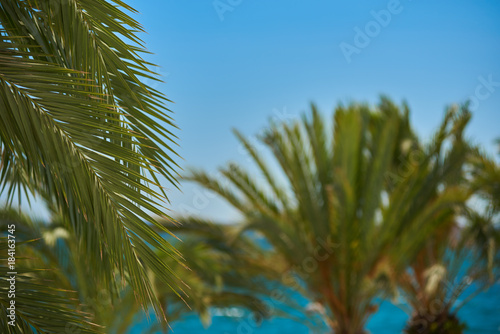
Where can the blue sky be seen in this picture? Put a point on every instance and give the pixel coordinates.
(255, 60)
(271, 59)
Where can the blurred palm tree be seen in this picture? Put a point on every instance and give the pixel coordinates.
(459, 260)
(79, 127)
(456, 264)
(354, 207)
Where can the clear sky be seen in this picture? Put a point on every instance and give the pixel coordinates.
(237, 63)
(234, 63)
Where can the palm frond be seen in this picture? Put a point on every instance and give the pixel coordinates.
(79, 127)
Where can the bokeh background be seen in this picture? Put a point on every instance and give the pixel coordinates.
(237, 64)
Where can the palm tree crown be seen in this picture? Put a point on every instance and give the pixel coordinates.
(357, 204)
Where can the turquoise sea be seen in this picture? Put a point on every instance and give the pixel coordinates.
(482, 315)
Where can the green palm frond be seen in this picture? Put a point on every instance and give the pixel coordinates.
(485, 174)
(41, 309)
(79, 127)
(43, 298)
(55, 247)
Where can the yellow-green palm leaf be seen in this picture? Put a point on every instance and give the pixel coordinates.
(80, 128)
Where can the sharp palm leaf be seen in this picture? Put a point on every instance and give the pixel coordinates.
(79, 127)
